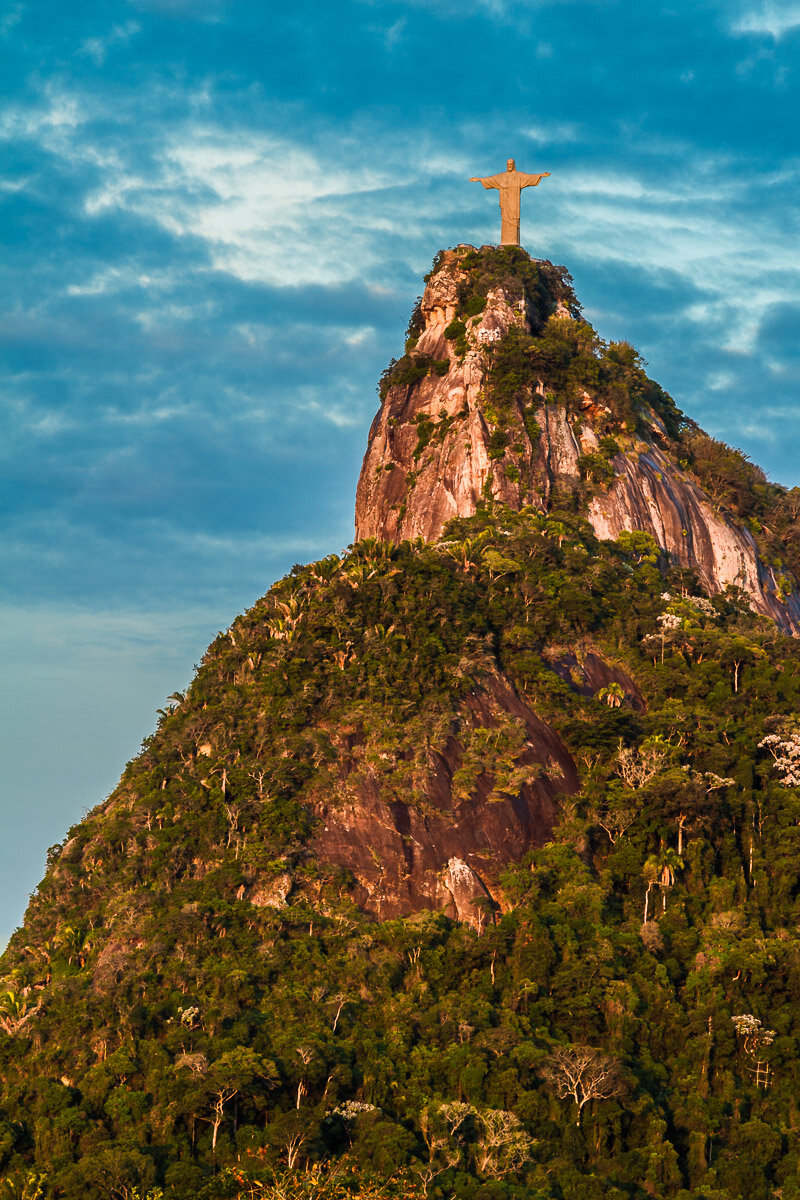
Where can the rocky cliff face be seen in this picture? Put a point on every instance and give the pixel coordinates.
(482, 810)
(447, 854)
(438, 446)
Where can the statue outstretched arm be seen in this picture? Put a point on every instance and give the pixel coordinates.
(531, 180)
(491, 181)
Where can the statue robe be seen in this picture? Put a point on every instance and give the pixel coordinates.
(510, 183)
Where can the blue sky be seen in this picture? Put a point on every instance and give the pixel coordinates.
(215, 216)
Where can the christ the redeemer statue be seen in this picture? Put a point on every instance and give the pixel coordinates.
(510, 184)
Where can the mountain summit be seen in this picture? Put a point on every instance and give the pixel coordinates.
(505, 393)
(468, 865)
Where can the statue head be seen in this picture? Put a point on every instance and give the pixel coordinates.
(511, 165)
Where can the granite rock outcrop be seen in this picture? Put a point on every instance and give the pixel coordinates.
(448, 852)
(434, 451)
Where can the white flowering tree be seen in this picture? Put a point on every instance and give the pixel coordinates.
(785, 750)
(755, 1038)
(668, 626)
(494, 1139)
(439, 1134)
(502, 1146)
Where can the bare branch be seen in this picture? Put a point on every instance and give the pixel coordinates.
(584, 1074)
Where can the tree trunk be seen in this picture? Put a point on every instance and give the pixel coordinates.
(293, 1152)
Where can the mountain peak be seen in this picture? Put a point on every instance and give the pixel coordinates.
(506, 394)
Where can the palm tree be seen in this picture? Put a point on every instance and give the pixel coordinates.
(659, 871)
(13, 1008)
(612, 694)
(556, 529)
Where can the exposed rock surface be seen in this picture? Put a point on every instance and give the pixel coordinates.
(271, 893)
(429, 459)
(652, 494)
(449, 852)
(402, 494)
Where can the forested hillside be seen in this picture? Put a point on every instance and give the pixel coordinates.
(206, 1000)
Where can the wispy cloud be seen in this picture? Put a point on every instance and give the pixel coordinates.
(553, 132)
(97, 48)
(49, 121)
(774, 19)
(10, 19)
(500, 10)
(248, 197)
(206, 12)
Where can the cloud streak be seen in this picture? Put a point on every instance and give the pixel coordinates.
(773, 19)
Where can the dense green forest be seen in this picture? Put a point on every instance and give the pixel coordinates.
(626, 1024)
(161, 1032)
